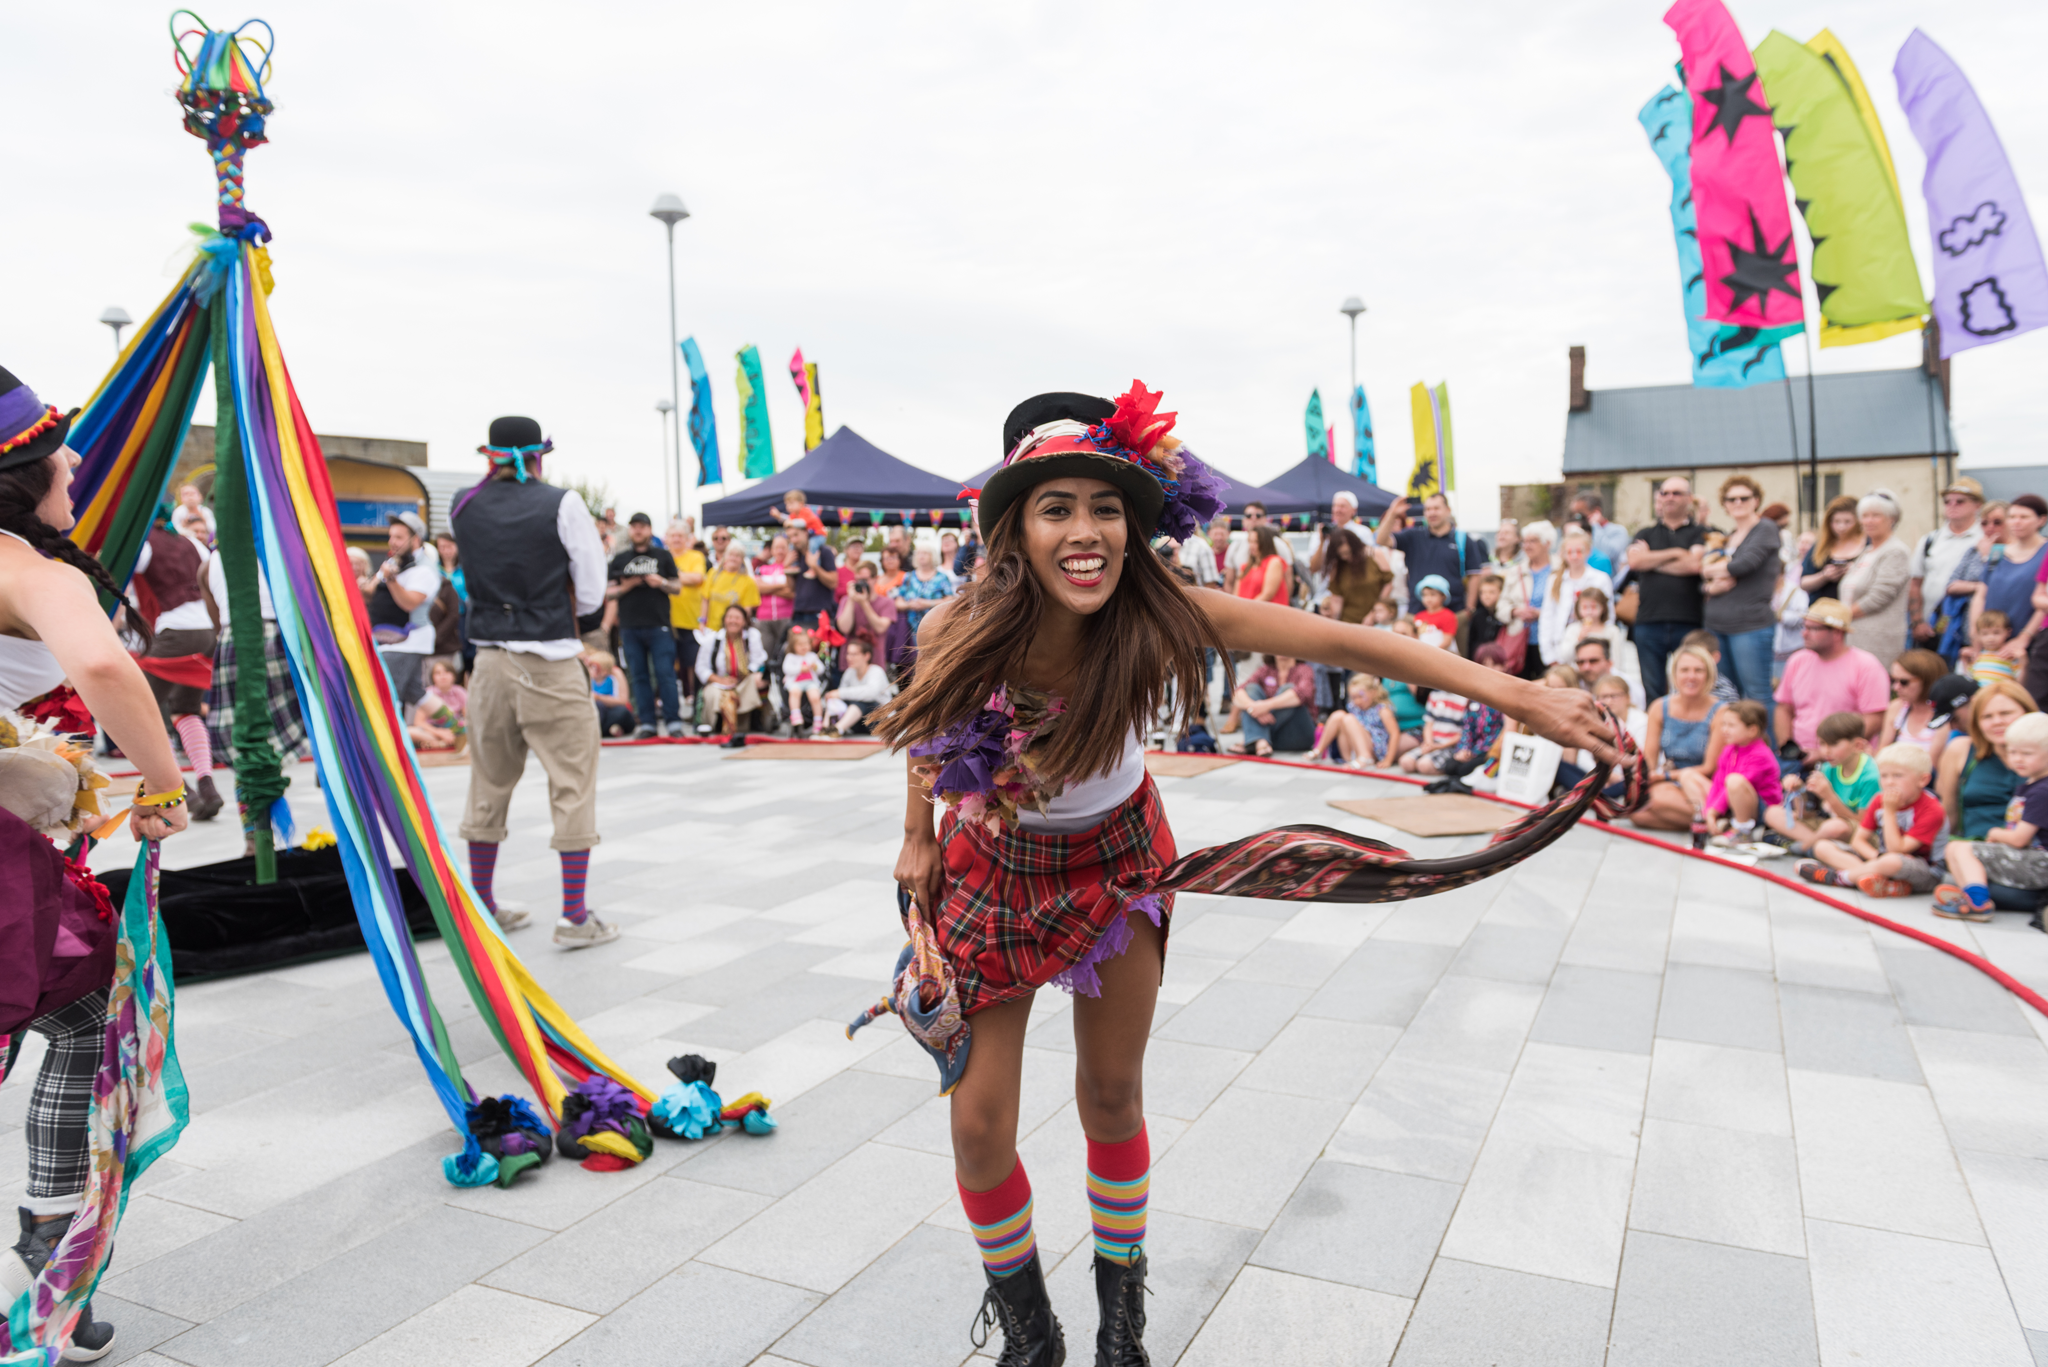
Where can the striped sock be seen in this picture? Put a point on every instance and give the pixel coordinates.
(1002, 1223)
(1119, 1181)
(575, 869)
(483, 864)
(198, 747)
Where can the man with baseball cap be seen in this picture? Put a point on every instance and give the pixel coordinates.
(402, 605)
(1938, 555)
(643, 579)
(533, 562)
(1828, 675)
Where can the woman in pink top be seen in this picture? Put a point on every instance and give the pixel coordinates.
(776, 576)
(1745, 776)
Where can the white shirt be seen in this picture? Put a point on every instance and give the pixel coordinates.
(217, 585)
(1086, 803)
(186, 616)
(1561, 608)
(1935, 558)
(872, 688)
(424, 577)
(1198, 556)
(795, 665)
(587, 574)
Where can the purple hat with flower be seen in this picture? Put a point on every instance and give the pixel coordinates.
(1124, 443)
(29, 428)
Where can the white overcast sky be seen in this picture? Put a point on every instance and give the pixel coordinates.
(948, 207)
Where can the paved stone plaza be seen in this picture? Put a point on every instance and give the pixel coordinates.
(1617, 1106)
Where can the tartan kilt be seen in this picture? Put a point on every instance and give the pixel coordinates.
(287, 727)
(1021, 906)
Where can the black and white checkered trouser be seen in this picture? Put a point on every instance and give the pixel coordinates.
(58, 1162)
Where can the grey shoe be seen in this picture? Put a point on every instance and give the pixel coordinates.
(570, 935)
(643, 732)
(511, 918)
(676, 730)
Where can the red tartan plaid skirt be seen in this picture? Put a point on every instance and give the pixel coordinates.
(1022, 906)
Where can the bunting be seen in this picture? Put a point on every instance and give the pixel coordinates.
(1738, 189)
(805, 377)
(1365, 463)
(1990, 283)
(757, 443)
(1862, 266)
(703, 422)
(1723, 357)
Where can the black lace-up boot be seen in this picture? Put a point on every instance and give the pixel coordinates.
(1120, 1292)
(1018, 1306)
(90, 1339)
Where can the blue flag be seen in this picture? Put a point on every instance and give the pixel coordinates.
(1723, 357)
(1318, 433)
(703, 422)
(1367, 465)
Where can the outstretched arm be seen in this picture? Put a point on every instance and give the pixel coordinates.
(1566, 716)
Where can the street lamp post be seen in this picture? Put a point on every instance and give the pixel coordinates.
(666, 406)
(116, 318)
(669, 209)
(1351, 308)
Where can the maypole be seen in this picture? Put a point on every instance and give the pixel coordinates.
(224, 103)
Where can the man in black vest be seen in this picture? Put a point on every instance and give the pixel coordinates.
(533, 562)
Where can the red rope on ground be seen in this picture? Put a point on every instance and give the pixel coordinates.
(1970, 957)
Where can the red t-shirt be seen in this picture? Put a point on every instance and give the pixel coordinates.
(1923, 824)
(1443, 619)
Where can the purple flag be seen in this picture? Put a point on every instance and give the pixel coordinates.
(1989, 279)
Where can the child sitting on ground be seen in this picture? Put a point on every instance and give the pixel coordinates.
(2016, 854)
(1980, 659)
(1745, 777)
(1366, 731)
(1435, 592)
(1844, 784)
(803, 679)
(1480, 728)
(440, 719)
(1897, 848)
(1443, 721)
(607, 688)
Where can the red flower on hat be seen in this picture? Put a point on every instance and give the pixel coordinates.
(1137, 422)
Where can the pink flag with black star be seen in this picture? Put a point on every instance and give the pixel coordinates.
(1738, 189)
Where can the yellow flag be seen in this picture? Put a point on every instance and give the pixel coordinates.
(1435, 471)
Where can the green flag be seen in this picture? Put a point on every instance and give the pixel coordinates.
(757, 443)
(1863, 267)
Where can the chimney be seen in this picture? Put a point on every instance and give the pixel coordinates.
(1581, 400)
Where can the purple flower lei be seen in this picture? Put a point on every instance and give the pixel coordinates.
(978, 765)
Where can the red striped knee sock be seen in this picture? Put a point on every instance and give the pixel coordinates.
(483, 864)
(198, 747)
(1119, 1183)
(1002, 1222)
(575, 869)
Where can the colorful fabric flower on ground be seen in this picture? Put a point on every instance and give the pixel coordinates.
(601, 1121)
(512, 1132)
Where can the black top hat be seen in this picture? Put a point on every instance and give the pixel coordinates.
(509, 434)
(29, 428)
(1060, 459)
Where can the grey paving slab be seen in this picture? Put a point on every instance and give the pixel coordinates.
(1291, 963)
(1620, 931)
(1421, 1118)
(1888, 1299)
(912, 1306)
(1313, 1057)
(1942, 991)
(1236, 1014)
(1712, 1084)
(1241, 1161)
(1831, 1030)
(1193, 1263)
(1514, 954)
(2012, 1198)
(1875, 1153)
(1361, 1226)
(643, 1239)
(474, 1327)
(814, 1131)
(1683, 1303)
(1469, 1314)
(1599, 1008)
(725, 1318)
(1720, 1186)
(1715, 1005)
(1384, 982)
(1992, 1090)
(1274, 1317)
(1471, 1023)
(1181, 1079)
(137, 1328)
(351, 1299)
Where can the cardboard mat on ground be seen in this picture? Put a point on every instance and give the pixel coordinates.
(1431, 814)
(809, 749)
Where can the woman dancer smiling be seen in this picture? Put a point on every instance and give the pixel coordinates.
(1031, 690)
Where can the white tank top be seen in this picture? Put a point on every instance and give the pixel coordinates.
(27, 668)
(1086, 803)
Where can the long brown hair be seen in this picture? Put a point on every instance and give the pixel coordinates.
(1147, 634)
(1824, 544)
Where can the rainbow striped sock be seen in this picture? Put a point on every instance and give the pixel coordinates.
(483, 866)
(1001, 1220)
(1119, 1182)
(575, 871)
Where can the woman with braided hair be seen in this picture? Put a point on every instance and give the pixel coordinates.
(56, 954)
(1054, 863)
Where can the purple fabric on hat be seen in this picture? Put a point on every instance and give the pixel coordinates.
(20, 410)
(1989, 279)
